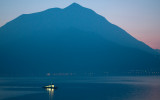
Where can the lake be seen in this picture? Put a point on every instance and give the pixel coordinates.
(80, 88)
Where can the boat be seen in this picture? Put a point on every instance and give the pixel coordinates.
(51, 86)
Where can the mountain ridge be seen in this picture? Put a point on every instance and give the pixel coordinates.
(71, 40)
(102, 25)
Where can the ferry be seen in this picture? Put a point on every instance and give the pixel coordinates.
(51, 86)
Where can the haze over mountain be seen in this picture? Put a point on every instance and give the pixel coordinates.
(73, 39)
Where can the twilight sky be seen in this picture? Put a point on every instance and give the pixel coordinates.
(140, 18)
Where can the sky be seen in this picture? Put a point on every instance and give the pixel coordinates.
(140, 18)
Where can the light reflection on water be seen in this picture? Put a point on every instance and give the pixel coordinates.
(81, 88)
(51, 93)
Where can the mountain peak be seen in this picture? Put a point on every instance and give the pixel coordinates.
(74, 5)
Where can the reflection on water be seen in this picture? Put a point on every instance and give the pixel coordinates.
(51, 93)
(81, 88)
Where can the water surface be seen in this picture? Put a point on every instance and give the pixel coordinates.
(81, 88)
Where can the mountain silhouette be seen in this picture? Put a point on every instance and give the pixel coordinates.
(158, 50)
(73, 39)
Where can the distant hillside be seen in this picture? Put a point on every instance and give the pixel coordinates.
(73, 39)
(158, 50)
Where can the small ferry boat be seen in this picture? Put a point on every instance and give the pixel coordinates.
(51, 86)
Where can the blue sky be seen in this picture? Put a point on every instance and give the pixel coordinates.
(140, 18)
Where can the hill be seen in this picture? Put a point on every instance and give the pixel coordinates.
(73, 39)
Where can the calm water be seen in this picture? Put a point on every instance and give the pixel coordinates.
(81, 88)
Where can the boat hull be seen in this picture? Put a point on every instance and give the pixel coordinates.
(50, 87)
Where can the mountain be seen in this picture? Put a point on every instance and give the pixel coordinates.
(74, 16)
(158, 50)
(73, 39)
